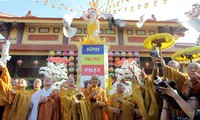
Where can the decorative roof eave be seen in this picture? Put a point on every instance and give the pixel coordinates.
(6, 15)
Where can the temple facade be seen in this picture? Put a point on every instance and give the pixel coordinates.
(34, 39)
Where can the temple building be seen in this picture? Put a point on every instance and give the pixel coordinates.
(34, 39)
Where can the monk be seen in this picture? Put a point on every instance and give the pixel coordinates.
(74, 104)
(17, 101)
(144, 96)
(45, 104)
(186, 83)
(120, 106)
(36, 85)
(96, 98)
(5, 79)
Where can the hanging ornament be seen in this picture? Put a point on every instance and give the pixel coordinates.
(110, 58)
(155, 3)
(123, 54)
(71, 58)
(64, 53)
(111, 69)
(110, 53)
(71, 64)
(71, 69)
(36, 62)
(146, 5)
(147, 64)
(52, 53)
(58, 53)
(139, 6)
(116, 54)
(71, 52)
(131, 8)
(110, 64)
(129, 54)
(136, 54)
(19, 62)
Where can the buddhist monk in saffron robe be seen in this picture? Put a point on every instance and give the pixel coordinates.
(120, 106)
(45, 104)
(96, 98)
(36, 85)
(144, 96)
(74, 104)
(5, 79)
(18, 104)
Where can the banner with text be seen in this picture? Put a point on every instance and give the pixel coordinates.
(93, 59)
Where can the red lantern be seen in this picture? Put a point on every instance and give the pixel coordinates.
(36, 62)
(19, 62)
(147, 64)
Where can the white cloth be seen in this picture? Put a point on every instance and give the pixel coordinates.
(33, 113)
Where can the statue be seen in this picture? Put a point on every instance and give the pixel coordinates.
(92, 22)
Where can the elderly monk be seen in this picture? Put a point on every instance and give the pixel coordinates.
(36, 85)
(45, 104)
(120, 106)
(187, 85)
(96, 98)
(74, 104)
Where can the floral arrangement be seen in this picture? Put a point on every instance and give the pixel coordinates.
(57, 70)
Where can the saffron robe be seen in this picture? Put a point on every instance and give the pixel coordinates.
(150, 102)
(179, 77)
(72, 110)
(50, 110)
(19, 108)
(97, 113)
(4, 93)
(5, 96)
(126, 107)
(34, 105)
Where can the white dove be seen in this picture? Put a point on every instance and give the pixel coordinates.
(69, 31)
(5, 53)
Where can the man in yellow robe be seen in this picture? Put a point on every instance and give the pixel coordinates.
(36, 85)
(120, 106)
(144, 96)
(5, 78)
(186, 83)
(96, 98)
(18, 101)
(73, 102)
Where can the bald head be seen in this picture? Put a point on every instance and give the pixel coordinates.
(174, 64)
(192, 68)
(37, 83)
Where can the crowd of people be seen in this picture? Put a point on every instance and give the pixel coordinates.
(149, 100)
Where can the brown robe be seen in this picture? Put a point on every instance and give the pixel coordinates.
(50, 110)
